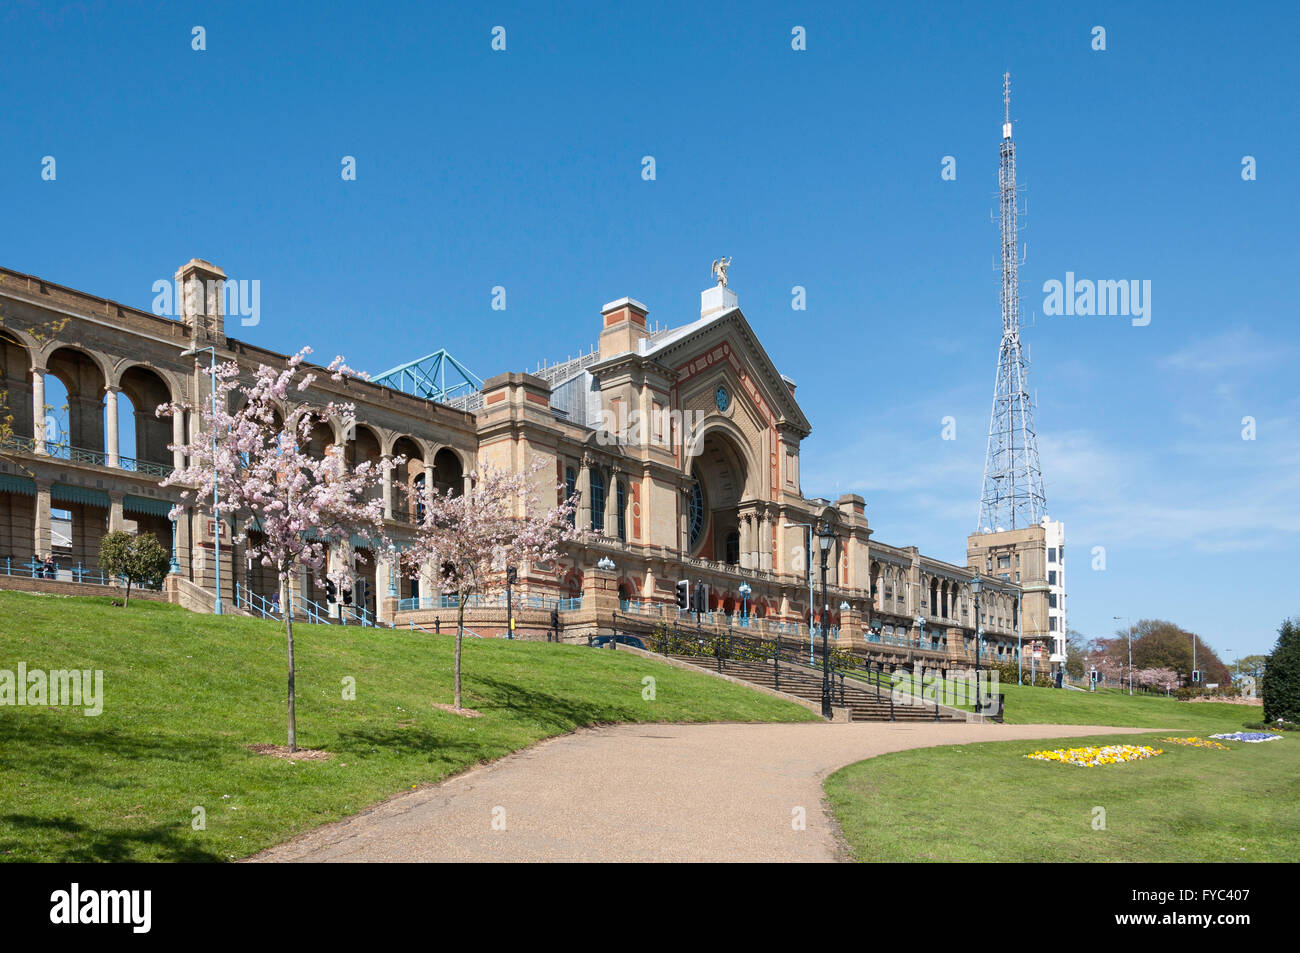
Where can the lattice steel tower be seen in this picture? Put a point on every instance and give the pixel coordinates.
(1012, 496)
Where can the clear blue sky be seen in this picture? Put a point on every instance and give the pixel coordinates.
(818, 168)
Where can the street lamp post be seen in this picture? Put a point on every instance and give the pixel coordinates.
(216, 514)
(745, 590)
(1124, 618)
(1020, 642)
(175, 567)
(809, 527)
(975, 587)
(826, 539)
(512, 574)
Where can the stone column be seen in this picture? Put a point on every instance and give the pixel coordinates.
(851, 630)
(38, 408)
(183, 543)
(430, 487)
(584, 494)
(42, 539)
(388, 490)
(385, 605)
(178, 439)
(428, 584)
(115, 517)
(110, 400)
(611, 505)
(765, 542)
(746, 541)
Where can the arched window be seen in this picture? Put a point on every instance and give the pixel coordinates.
(597, 501)
(697, 513)
(621, 500)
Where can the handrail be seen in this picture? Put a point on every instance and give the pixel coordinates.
(92, 577)
(245, 598)
(521, 600)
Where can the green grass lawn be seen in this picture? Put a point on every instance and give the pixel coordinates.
(981, 802)
(986, 802)
(1027, 705)
(184, 694)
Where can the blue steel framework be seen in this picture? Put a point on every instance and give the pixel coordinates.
(427, 377)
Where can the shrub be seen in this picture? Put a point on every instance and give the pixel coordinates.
(1281, 689)
(137, 556)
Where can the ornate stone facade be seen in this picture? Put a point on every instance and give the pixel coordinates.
(683, 445)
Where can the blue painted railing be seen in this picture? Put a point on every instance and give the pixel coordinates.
(95, 577)
(525, 600)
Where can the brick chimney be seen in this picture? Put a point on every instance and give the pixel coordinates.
(624, 325)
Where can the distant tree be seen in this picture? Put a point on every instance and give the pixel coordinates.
(1113, 669)
(474, 538)
(1076, 648)
(1281, 691)
(1165, 679)
(1161, 644)
(138, 557)
(1252, 665)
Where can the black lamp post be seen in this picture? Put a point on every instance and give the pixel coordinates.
(512, 576)
(975, 586)
(826, 539)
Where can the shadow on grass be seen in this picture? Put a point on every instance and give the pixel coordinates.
(550, 711)
(27, 741)
(100, 846)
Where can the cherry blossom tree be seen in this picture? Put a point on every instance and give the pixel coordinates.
(1112, 669)
(1157, 678)
(470, 540)
(263, 473)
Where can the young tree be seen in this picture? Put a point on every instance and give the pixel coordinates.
(1281, 691)
(472, 539)
(137, 556)
(1076, 647)
(302, 504)
(1157, 678)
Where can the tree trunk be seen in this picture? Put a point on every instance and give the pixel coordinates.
(126, 600)
(460, 634)
(288, 637)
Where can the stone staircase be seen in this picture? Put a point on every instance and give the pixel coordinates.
(806, 683)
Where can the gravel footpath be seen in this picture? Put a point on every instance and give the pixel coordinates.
(721, 792)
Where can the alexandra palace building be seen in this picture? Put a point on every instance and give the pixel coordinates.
(682, 443)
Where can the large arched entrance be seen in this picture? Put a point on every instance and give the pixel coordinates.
(719, 475)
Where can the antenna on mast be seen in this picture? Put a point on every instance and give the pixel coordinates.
(1006, 104)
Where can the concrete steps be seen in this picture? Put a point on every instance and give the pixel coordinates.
(806, 683)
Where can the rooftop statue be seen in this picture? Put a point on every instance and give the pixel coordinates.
(720, 266)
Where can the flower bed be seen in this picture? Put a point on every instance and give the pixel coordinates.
(1250, 737)
(1194, 742)
(1091, 757)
